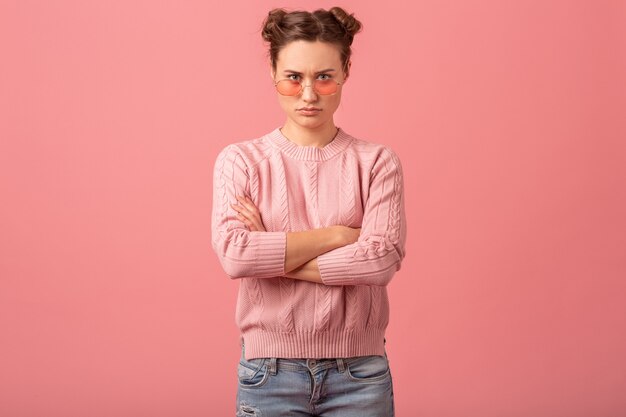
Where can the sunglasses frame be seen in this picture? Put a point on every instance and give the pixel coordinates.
(303, 86)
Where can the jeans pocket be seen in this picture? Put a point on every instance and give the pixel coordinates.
(366, 369)
(252, 373)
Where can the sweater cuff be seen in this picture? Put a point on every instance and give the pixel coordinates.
(270, 259)
(334, 268)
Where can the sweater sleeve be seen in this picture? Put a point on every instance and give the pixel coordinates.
(241, 252)
(380, 249)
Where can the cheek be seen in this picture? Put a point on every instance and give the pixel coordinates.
(333, 102)
(286, 103)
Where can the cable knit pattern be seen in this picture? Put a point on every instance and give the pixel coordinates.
(287, 285)
(322, 292)
(347, 194)
(374, 314)
(351, 299)
(350, 182)
(312, 197)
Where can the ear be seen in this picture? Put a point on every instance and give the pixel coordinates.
(347, 72)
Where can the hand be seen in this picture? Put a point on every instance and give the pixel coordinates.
(249, 214)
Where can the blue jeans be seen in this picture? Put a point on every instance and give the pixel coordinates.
(343, 387)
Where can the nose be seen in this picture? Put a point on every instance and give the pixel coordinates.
(308, 93)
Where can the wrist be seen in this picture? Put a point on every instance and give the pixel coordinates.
(336, 237)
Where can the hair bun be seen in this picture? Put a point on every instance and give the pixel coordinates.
(348, 21)
(272, 23)
(334, 26)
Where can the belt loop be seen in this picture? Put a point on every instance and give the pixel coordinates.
(272, 366)
(341, 365)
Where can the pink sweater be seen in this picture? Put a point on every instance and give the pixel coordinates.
(348, 182)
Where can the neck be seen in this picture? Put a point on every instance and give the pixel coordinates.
(318, 137)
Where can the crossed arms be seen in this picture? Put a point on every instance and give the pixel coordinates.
(335, 255)
(303, 248)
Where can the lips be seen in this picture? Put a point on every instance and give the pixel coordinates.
(309, 113)
(309, 108)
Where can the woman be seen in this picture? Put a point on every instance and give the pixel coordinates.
(311, 221)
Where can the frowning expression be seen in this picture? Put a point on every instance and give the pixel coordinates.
(307, 61)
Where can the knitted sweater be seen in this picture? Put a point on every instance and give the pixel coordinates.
(348, 182)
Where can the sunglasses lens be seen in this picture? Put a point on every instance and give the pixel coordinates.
(288, 87)
(292, 87)
(325, 86)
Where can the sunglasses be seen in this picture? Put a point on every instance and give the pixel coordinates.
(289, 87)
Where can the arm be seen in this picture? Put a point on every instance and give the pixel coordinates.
(242, 253)
(377, 254)
(302, 247)
(256, 252)
(307, 272)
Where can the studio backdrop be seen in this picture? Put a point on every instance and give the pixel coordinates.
(509, 119)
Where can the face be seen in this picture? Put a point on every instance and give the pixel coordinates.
(307, 61)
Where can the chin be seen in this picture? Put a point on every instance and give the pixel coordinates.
(311, 123)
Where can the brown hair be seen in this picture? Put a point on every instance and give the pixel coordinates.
(335, 26)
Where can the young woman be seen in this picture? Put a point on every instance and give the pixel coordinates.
(311, 222)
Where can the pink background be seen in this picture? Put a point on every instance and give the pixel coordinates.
(510, 121)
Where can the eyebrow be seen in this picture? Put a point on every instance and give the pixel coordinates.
(318, 72)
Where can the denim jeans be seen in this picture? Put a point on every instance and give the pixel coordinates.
(343, 387)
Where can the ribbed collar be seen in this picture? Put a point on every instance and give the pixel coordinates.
(309, 153)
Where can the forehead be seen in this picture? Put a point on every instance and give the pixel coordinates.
(307, 56)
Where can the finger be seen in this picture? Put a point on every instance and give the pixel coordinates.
(244, 216)
(250, 220)
(241, 209)
(242, 204)
(243, 219)
(253, 226)
(247, 203)
(242, 199)
(250, 212)
(256, 223)
(253, 206)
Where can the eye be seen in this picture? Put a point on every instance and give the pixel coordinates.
(328, 76)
